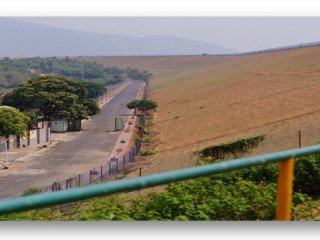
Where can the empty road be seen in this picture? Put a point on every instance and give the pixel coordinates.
(78, 153)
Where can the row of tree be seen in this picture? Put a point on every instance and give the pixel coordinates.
(52, 97)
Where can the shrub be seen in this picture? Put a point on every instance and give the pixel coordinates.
(147, 152)
(31, 191)
(232, 149)
(207, 199)
(147, 140)
(108, 208)
(307, 175)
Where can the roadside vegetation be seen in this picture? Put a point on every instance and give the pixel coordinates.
(145, 137)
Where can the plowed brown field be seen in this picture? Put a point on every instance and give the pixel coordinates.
(205, 100)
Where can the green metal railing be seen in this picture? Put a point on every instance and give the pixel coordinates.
(103, 189)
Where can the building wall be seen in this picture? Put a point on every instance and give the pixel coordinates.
(59, 126)
(32, 137)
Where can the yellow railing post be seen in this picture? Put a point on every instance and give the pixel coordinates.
(285, 186)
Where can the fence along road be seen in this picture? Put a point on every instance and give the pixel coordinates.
(86, 149)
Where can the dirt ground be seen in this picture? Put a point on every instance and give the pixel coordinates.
(206, 100)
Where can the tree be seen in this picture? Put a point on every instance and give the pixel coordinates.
(94, 89)
(52, 97)
(143, 105)
(133, 105)
(12, 122)
(92, 107)
(135, 74)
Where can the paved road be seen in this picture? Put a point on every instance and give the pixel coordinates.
(83, 150)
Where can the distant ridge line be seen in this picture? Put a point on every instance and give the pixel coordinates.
(277, 49)
(296, 46)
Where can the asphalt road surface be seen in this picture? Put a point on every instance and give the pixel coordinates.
(83, 151)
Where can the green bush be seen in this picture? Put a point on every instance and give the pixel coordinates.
(147, 152)
(307, 211)
(207, 199)
(109, 208)
(147, 140)
(307, 175)
(233, 149)
(31, 191)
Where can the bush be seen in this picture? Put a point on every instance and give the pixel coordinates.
(232, 149)
(31, 191)
(207, 199)
(147, 152)
(109, 208)
(306, 211)
(147, 140)
(307, 175)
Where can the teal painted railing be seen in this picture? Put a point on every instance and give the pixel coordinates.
(103, 189)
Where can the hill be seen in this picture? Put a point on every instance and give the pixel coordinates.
(22, 39)
(207, 100)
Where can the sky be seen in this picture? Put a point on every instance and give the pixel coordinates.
(239, 33)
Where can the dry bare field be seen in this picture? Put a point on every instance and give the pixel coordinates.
(206, 100)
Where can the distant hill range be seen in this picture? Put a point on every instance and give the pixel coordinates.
(23, 39)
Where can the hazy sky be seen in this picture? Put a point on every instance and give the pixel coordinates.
(242, 34)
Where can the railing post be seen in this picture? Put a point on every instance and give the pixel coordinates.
(117, 164)
(284, 194)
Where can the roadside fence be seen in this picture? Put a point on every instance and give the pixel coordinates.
(101, 173)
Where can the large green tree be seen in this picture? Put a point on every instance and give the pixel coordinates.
(52, 97)
(12, 121)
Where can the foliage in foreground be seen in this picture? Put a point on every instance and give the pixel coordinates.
(245, 194)
(307, 211)
(306, 174)
(200, 199)
(208, 198)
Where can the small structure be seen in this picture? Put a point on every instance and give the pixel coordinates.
(65, 125)
(59, 126)
(74, 125)
(120, 122)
